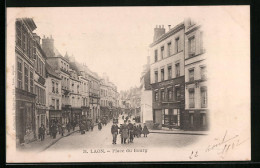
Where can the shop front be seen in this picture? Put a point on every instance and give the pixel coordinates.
(40, 118)
(197, 119)
(76, 114)
(168, 103)
(66, 114)
(55, 116)
(25, 116)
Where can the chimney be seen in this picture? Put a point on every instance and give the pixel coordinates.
(158, 32)
(169, 27)
(48, 46)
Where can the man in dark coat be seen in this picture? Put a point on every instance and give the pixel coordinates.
(114, 131)
(124, 132)
(54, 130)
(99, 126)
(131, 130)
(120, 132)
(145, 130)
(68, 126)
(42, 132)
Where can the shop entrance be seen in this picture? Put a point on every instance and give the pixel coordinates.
(172, 118)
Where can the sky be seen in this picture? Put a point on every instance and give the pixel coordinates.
(111, 40)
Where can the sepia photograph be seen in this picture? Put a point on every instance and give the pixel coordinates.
(128, 84)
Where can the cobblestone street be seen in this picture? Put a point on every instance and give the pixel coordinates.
(103, 139)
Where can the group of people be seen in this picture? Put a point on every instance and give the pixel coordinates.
(86, 126)
(128, 131)
(58, 127)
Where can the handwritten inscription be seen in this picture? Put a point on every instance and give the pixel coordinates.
(222, 146)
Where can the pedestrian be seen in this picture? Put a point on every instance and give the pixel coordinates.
(81, 128)
(59, 127)
(131, 131)
(141, 129)
(63, 127)
(51, 129)
(91, 125)
(120, 132)
(68, 126)
(135, 130)
(99, 126)
(145, 130)
(114, 131)
(124, 132)
(73, 125)
(54, 129)
(42, 132)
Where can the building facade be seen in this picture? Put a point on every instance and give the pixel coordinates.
(94, 96)
(24, 80)
(75, 97)
(61, 66)
(53, 98)
(104, 99)
(196, 105)
(39, 86)
(167, 76)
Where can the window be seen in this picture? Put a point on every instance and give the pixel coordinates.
(53, 87)
(162, 94)
(18, 33)
(43, 70)
(169, 90)
(61, 65)
(191, 119)
(156, 96)
(178, 93)
(177, 44)
(201, 42)
(40, 66)
(156, 76)
(191, 75)
(169, 49)
(19, 74)
(72, 87)
(26, 77)
(57, 104)
(44, 97)
(67, 67)
(191, 47)
(169, 72)
(23, 38)
(77, 88)
(36, 92)
(155, 56)
(162, 74)
(57, 88)
(177, 69)
(31, 80)
(53, 102)
(162, 52)
(203, 119)
(191, 98)
(203, 73)
(204, 98)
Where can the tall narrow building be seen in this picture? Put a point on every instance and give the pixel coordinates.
(25, 55)
(196, 107)
(167, 76)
